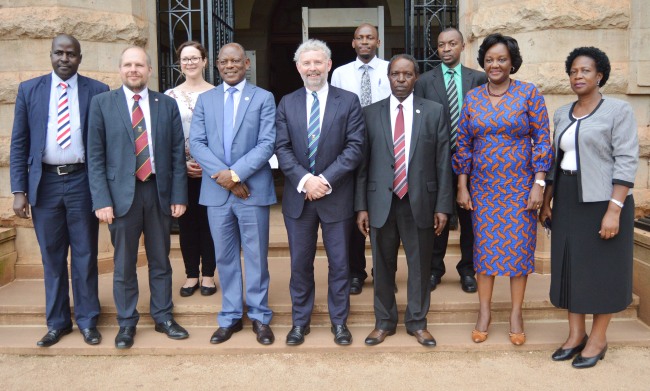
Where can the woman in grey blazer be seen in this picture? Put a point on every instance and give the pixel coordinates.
(590, 184)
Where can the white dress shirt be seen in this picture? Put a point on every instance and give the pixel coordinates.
(236, 97)
(407, 111)
(74, 153)
(144, 105)
(568, 146)
(348, 77)
(322, 101)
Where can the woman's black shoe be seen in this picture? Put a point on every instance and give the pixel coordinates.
(588, 362)
(186, 292)
(208, 290)
(567, 354)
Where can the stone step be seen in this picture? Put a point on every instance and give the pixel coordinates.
(541, 335)
(22, 302)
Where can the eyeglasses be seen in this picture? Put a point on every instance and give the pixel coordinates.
(191, 60)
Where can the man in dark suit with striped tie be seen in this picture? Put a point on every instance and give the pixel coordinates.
(48, 171)
(138, 183)
(447, 84)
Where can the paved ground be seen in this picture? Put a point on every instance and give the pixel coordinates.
(625, 368)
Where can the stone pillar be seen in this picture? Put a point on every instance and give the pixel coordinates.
(104, 29)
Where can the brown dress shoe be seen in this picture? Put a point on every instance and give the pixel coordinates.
(423, 336)
(378, 336)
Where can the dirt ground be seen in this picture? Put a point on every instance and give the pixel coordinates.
(626, 368)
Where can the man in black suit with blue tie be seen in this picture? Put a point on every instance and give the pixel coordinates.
(319, 143)
(48, 171)
(138, 183)
(450, 81)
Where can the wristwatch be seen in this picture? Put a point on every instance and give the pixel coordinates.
(541, 182)
(234, 176)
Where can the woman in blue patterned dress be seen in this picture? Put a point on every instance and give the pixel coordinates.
(504, 148)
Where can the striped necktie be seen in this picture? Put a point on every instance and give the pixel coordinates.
(400, 184)
(142, 158)
(454, 112)
(63, 132)
(366, 91)
(313, 132)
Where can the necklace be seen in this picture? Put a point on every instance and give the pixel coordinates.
(498, 95)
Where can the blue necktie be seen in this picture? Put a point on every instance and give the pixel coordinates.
(313, 132)
(228, 123)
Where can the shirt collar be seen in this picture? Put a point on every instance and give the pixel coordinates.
(71, 82)
(144, 94)
(372, 64)
(445, 68)
(239, 86)
(406, 104)
(320, 92)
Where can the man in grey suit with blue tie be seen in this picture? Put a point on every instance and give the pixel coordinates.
(138, 183)
(232, 137)
(48, 172)
(319, 146)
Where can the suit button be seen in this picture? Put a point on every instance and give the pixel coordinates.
(390, 189)
(392, 166)
(133, 173)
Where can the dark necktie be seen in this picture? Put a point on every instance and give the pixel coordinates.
(454, 112)
(400, 184)
(142, 157)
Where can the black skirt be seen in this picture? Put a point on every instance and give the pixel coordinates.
(589, 275)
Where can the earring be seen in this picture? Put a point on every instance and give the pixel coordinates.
(512, 69)
(598, 82)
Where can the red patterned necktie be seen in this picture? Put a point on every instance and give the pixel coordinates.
(142, 157)
(63, 132)
(400, 185)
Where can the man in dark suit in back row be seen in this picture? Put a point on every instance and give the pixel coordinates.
(138, 183)
(447, 84)
(48, 171)
(403, 193)
(319, 145)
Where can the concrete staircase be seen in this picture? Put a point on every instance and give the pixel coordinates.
(451, 317)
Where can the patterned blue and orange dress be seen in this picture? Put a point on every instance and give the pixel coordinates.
(501, 147)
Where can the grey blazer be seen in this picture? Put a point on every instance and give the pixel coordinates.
(607, 148)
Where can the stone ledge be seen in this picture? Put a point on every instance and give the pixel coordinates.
(540, 15)
(39, 22)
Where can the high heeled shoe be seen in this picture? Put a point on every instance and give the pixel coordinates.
(581, 362)
(567, 354)
(479, 336)
(517, 339)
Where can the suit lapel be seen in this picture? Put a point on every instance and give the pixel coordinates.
(216, 104)
(467, 79)
(83, 93)
(119, 99)
(43, 101)
(417, 123)
(300, 110)
(154, 108)
(439, 86)
(386, 126)
(331, 107)
(244, 102)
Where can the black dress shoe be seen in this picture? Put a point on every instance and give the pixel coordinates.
(297, 334)
(91, 336)
(124, 337)
(342, 335)
(53, 336)
(208, 290)
(588, 362)
(224, 333)
(356, 286)
(186, 292)
(264, 333)
(567, 354)
(468, 283)
(435, 280)
(172, 329)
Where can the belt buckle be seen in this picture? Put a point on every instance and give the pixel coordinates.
(58, 170)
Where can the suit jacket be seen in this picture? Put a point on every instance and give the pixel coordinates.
(29, 132)
(431, 84)
(340, 149)
(111, 146)
(429, 166)
(252, 146)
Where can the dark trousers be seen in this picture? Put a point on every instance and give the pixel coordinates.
(357, 253)
(196, 242)
(303, 235)
(144, 217)
(465, 266)
(385, 241)
(64, 218)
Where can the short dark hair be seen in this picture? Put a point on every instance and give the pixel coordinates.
(194, 44)
(511, 44)
(448, 29)
(406, 57)
(600, 58)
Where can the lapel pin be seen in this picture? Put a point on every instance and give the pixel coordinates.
(156, 99)
(417, 111)
(246, 98)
